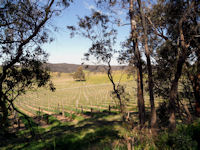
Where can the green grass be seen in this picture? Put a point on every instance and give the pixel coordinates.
(94, 131)
(100, 130)
(30, 126)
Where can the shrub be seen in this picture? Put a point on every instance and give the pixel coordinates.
(79, 74)
(186, 137)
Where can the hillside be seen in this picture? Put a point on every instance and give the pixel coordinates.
(69, 68)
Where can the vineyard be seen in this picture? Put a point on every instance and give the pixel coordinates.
(72, 96)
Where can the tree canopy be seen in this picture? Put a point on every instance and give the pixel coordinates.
(23, 30)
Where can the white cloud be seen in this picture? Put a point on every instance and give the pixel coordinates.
(88, 6)
(92, 7)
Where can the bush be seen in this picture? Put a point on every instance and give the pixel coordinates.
(186, 137)
(79, 74)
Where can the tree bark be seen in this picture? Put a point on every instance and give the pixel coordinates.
(4, 113)
(197, 96)
(109, 74)
(140, 97)
(196, 88)
(174, 92)
(149, 67)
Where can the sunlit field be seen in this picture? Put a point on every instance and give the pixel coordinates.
(94, 94)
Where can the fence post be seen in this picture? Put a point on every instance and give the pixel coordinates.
(128, 115)
(18, 122)
(58, 109)
(47, 119)
(39, 114)
(63, 112)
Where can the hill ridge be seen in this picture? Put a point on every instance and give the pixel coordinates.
(70, 68)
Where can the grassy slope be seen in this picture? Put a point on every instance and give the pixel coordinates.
(83, 132)
(97, 130)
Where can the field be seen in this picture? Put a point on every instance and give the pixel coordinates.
(78, 115)
(94, 94)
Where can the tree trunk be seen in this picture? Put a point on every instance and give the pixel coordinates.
(140, 97)
(4, 110)
(196, 89)
(194, 78)
(174, 93)
(182, 56)
(149, 67)
(109, 74)
(197, 108)
(189, 116)
(196, 86)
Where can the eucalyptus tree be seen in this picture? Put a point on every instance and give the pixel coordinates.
(177, 23)
(137, 53)
(131, 52)
(101, 32)
(171, 24)
(23, 30)
(149, 66)
(193, 74)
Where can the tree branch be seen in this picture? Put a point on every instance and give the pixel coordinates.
(155, 29)
(20, 48)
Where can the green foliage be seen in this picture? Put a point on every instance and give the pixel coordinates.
(163, 74)
(26, 123)
(72, 116)
(186, 137)
(22, 57)
(79, 74)
(52, 120)
(124, 97)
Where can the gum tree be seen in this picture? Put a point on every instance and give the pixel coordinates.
(176, 24)
(131, 52)
(101, 32)
(23, 28)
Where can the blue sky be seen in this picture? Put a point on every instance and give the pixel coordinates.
(70, 50)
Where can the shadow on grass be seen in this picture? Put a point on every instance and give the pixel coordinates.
(99, 138)
(92, 132)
